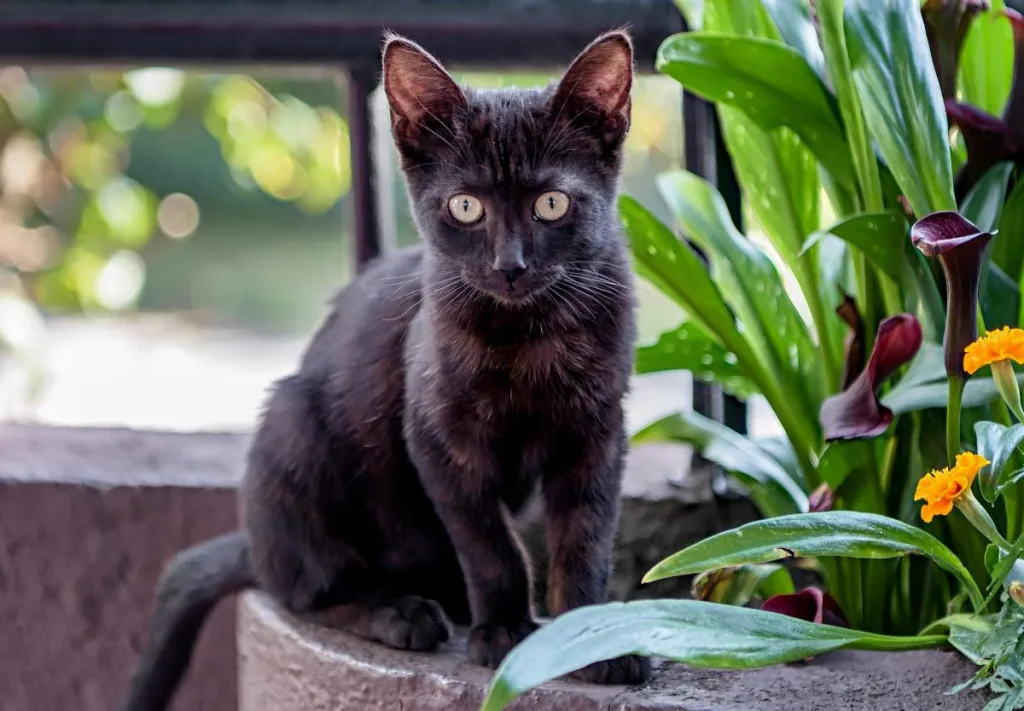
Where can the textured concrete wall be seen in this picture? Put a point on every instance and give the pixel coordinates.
(87, 520)
(286, 665)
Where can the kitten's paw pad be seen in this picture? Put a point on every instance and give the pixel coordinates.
(488, 644)
(412, 623)
(624, 670)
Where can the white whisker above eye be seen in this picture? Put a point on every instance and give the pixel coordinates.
(465, 208)
(550, 206)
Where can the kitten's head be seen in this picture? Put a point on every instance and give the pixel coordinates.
(512, 189)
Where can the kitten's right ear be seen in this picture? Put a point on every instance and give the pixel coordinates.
(420, 92)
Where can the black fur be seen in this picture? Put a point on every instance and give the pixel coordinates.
(447, 385)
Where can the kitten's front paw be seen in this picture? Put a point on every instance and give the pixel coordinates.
(412, 623)
(488, 644)
(624, 670)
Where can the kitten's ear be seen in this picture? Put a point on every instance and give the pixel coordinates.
(419, 90)
(596, 86)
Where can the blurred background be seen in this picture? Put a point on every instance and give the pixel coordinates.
(168, 239)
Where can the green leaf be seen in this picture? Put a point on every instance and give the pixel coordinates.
(1007, 249)
(879, 236)
(690, 347)
(926, 396)
(689, 631)
(999, 298)
(771, 83)
(793, 20)
(749, 281)
(984, 203)
(834, 533)
(903, 107)
(737, 586)
(733, 452)
(986, 61)
(840, 459)
(996, 443)
(667, 263)
(833, 38)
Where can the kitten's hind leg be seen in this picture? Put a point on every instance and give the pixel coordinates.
(401, 622)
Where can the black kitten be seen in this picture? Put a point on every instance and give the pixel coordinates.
(448, 384)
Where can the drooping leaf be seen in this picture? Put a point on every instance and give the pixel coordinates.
(734, 453)
(996, 443)
(986, 60)
(663, 260)
(836, 533)
(771, 83)
(879, 236)
(690, 347)
(688, 631)
(903, 106)
(749, 282)
(935, 395)
(857, 412)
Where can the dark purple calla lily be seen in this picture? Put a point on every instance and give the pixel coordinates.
(960, 247)
(809, 604)
(946, 23)
(856, 412)
(854, 342)
(821, 499)
(989, 140)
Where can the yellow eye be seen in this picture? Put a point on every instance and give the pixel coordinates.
(466, 208)
(551, 206)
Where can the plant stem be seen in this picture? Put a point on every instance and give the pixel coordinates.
(884, 643)
(956, 394)
(807, 278)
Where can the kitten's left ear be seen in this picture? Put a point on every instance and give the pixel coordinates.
(596, 86)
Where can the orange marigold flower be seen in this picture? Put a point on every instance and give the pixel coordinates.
(941, 488)
(994, 347)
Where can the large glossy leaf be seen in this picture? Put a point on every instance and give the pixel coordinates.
(984, 203)
(734, 453)
(999, 298)
(688, 631)
(793, 19)
(986, 61)
(667, 263)
(748, 279)
(771, 83)
(903, 107)
(997, 443)
(833, 37)
(690, 347)
(880, 237)
(925, 396)
(835, 533)
(1007, 249)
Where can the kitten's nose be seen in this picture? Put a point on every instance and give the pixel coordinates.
(512, 274)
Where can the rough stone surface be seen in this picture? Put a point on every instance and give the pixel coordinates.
(286, 665)
(87, 520)
(88, 517)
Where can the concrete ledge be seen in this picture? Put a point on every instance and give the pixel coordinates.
(286, 665)
(87, 520)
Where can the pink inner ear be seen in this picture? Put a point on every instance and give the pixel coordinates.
(416, 84)
(601, 76)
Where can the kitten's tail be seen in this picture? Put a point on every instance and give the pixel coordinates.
(191, 585)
